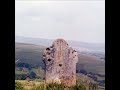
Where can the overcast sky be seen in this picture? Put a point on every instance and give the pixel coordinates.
(71, 20)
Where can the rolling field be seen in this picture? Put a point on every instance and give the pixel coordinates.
(32, 54)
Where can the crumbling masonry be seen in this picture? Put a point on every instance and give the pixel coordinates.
(60, 61)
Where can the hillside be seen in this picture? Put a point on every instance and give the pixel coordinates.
(29, 53)
(81, 46)
(30, 64)
(32, 54)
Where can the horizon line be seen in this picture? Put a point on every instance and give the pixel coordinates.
(58, 38)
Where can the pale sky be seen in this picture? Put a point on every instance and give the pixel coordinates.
(71, 20)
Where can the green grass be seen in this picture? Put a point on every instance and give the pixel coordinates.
(46, 86)
(24, 85)
(19, 86)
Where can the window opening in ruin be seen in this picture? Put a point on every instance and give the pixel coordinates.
(49, 59)
(60, 65)
(43, 60)
(43, 55)
(74, 51)
(47, 48)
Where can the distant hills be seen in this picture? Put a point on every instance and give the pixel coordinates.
(32, 54)
(100, 47)
(94, 49)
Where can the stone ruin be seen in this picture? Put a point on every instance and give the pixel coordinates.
(60, 63)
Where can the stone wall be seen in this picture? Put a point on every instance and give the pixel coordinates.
(60, 61)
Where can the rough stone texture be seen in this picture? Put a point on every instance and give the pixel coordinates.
(60, 61)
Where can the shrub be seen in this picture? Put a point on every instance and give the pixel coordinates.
(18, 86)
(79, 87)
(40, 87)
(32, 75)
(20, 76)
(83, 71)
(56, 86)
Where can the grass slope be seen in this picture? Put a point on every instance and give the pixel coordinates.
(32, 54)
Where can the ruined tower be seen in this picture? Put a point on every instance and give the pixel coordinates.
(60, 61)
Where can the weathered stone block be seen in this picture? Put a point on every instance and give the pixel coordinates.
(60, 61)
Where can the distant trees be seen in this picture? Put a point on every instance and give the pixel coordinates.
(100, 75)
(20, 76)
(81, 71)
(93, 77)
(24, 76)
(32, 75)
(20, 68)
(24, 65)
(90, 74)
